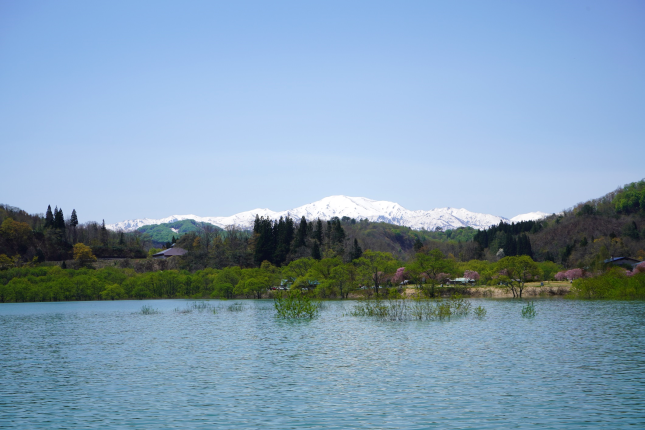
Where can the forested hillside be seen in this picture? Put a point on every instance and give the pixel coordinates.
(35, 238)
(162, 234)
(582, 236)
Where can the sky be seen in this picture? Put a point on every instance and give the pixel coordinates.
(125, 110)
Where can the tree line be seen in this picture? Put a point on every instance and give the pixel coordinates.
(31, 239)
(371, 274)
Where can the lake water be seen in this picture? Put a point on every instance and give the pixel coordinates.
(577, 364)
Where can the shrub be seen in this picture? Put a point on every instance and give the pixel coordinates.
(149, 310)
(529, 311)
(480, 312)
(296, 305)
(614, 284)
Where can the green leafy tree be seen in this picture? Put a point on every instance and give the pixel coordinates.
(297, 269)
(113, 292)
(373, 266)
(344, 278)
(429, 266)
(321, 270)
(516, 271)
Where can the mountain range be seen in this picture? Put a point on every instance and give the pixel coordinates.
(352, 207)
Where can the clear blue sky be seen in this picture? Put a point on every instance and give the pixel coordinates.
(131, 109)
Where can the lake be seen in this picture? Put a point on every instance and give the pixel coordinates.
(577, 364)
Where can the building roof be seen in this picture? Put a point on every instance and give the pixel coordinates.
(622, 260)
(171, 252)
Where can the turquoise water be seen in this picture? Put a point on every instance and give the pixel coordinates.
(101, 365)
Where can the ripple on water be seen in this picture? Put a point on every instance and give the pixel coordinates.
(103, 365)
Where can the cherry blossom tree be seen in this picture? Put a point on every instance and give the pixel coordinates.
(560, 276)
(399, 276)
(573, 274)
(471, 275)
(640, 267)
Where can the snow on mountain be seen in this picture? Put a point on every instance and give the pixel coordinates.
(531, 216)
(352, 207)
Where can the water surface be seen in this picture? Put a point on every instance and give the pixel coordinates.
(102, 365)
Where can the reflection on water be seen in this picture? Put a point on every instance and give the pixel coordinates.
(103, 365)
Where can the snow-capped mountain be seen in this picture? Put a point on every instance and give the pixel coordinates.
(531, 216)
(340, 206)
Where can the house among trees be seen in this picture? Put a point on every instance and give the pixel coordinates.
(460, 281)
(170, 252)
(622, 261)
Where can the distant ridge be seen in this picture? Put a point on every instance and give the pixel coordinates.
(352, 207)
(531, 216)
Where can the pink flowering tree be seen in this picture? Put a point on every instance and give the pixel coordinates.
(399, 276)
(573, 274)
(560, 276)
(640, 267)
(471, 275)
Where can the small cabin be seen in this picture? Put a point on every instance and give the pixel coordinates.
(170, 252)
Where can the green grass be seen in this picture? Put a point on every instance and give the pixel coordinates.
(414, 309)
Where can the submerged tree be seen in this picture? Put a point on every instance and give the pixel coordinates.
(515, 271)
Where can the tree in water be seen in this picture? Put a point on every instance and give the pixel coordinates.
(373, 266)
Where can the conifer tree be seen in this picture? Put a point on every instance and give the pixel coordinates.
(104, 234)
(73, 220)
(59, 219)
(283, 233)
(337, 233)
(301, 234)
(315, 251)
(264, 240)
(356, 251)
(318, 231)
(49, 217)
